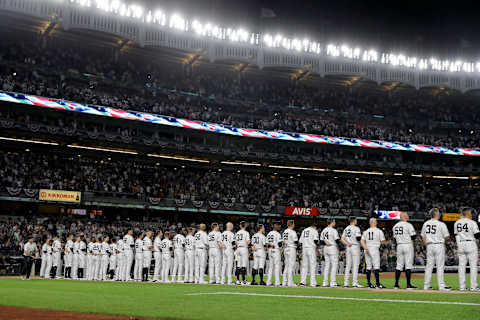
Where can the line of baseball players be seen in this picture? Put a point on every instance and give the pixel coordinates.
(105, 259)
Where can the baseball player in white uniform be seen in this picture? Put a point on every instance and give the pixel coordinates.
(466, 235)
(309, 240)
(120, 274)
(189, 257)
(404, 235)
(242, 239)
(89, 264)
(95, 260)
(371, 241)
(214, 254)
(157, 255)
(104, 258)
(178, 256)
(128, 245)
(43, 255)
(274, 243)
(167, 254)
(147, 255)
(201, 245)
(290, 243)
(112, 265)
(48, 255)
(82, 258)
(259, 254)
(228, 244)
(434, 233)
(56, 256)
(138, 267)
(68, 257)
(351, 239)
(330, 237)
(75, 262)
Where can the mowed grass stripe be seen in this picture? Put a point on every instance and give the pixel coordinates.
(333, 298)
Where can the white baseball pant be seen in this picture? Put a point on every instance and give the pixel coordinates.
(178, 264)
(158, 265)
(372, 258)
(242, 257)
(166, 263)
(214, 265)
(75, 266)
(435, 257)
(137, 269)
(290, 257)
(227, 266)
(352, 255)
(274, 266)
(309, 264)
(128, 264)
(104, 261)
(405, 256)
(331, 266)
(200, 263)
(467, 253)
(42, 266)
(48, 266)
(189, 266)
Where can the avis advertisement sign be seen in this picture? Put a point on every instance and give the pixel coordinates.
(301, 211)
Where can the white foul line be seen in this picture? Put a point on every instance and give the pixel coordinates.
(333, 298)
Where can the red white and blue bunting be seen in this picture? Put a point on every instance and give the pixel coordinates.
(211, 127)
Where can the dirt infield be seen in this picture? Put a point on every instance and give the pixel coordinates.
(391, 275)
(15, 313)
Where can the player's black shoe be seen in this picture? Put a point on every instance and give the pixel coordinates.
(381, 286)
(371, 286)
(262, 283)
(253, 283)
(302, 284)
(411, 287)
(396, 287)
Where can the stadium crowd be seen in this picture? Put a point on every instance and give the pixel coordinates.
(242, 101)
(142, 178)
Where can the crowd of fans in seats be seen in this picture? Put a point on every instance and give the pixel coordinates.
(140, 178)
(240, 100)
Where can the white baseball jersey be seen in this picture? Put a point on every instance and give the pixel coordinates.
(227, 239)
(44, 249)
(128, 242)
(57, 246)
(259, 241)
(308, 238)
(113, 249)
(214, 237)
(90, 247)
(139, 246)
(178, 241)
(156, 244)
(201, 240)
(373, 237)
(120, 246)
(96, 248)
(82, 247)
(104, 248)
(290, 238)
(403, 232)
(330, 235)
(465, 230)
(351, 234)
(165, 246)
(189, 242)
(147, 243)
(273, 239)
(242, 237)
(69, 247)
(435, 231)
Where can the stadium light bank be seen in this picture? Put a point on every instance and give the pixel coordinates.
(176, 21)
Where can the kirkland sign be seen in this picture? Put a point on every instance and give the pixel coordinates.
(59, 195)
(301, 211)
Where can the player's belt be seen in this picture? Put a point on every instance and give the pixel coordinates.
(466, 240)
(434, 243)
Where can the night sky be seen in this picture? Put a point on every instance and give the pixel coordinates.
(422, 27)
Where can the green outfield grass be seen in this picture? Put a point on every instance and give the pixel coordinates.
(176, 301)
